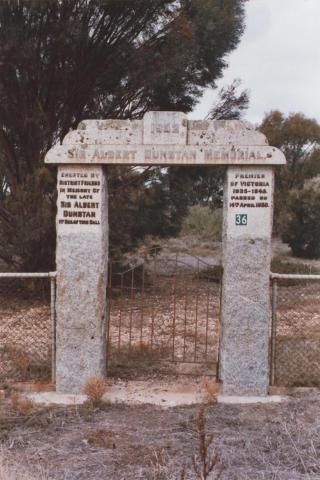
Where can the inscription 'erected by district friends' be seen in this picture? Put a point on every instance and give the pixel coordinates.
(79, 198)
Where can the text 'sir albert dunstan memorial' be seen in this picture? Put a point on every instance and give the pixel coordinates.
(164, 138)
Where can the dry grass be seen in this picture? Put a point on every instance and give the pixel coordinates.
(11, 470)
(160, 467)
(101, 438)
(210, 387)
(25, 332)
(139, 357)
(19, 364)
(19, 358)
(95, 388)
(22, 405)
(265, 442)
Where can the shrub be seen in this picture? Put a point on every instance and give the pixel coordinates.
(22, 405)
(204, 222)
(95, 388)
(101, 438)
(301, 229)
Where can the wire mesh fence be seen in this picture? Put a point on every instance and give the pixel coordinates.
(164, 310)
(27, 326)
(296, 330)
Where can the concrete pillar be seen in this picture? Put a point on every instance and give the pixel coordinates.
(81, 256)
(245, 309)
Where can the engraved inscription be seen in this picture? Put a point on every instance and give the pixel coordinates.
(164, 128)
(158, 154)
(79, 198)
(249, 190)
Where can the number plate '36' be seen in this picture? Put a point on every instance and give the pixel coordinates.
(241, 219)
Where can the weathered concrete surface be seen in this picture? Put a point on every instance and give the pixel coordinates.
(82, 251)
(245, 308)
(165, 138)
(164, 394)
(238, 400)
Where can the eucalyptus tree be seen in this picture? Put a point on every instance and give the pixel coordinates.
(62, 61)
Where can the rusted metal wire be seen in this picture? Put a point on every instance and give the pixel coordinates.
(27, 326)
(295, 332)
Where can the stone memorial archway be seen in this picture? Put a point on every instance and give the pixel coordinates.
(164, 138)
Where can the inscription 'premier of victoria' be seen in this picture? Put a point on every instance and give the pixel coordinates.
(250, 190)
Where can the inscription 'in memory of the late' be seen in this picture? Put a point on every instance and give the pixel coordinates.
(79, 202)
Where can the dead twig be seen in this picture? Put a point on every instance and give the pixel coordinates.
(207, 462)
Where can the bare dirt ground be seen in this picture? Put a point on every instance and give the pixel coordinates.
(274, 441)
(256, 442)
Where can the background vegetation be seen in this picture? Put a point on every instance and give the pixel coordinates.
(296, 195)
(67, 60)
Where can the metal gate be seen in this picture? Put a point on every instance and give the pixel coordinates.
(163, 311)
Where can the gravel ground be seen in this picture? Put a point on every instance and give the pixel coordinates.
(270, 441)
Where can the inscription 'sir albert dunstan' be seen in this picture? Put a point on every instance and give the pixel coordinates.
(78, 198)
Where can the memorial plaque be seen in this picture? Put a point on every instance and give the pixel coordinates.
(79, 203)
(249, 201)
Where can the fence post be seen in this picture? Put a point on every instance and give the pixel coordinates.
(53, 324)
(273, 330)
(108, 315)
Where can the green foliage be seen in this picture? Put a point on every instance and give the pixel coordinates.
(230, 104)
(312, 166)
(152, 203)
(67, 60)
(205, 184)
(298, 137)
(301, 229)
(27, 238)
(204, 222)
